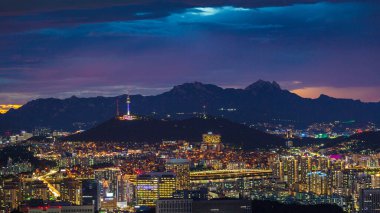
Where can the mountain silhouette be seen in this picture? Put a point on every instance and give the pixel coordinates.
(151, 130)
(261, 101)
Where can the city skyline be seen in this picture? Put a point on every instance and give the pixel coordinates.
(189, 106)
(309, 47)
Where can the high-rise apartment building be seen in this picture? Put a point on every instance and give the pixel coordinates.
(278, 170)
(71, 191)
(319, 183)
(292, 171)
(305, 168)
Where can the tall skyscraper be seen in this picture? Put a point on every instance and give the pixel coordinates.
(318, 183)
(154, 186)
(305, 165)
(181, 168)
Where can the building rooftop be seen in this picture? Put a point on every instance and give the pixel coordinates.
(177, 161)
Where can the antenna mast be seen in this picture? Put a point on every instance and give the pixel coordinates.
(117, 107)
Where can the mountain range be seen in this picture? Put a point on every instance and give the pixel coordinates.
(261, 101)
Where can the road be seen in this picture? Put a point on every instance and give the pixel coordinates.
(52, 189)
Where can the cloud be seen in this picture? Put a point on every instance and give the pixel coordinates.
(21, 7)
(113, 90)
(16, 98)
(74, 49)
(5, 107)
(25, 15)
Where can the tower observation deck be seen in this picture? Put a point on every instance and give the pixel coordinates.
(128, 116)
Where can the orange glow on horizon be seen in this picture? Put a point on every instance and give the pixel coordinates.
(6, 107)
(366, 94)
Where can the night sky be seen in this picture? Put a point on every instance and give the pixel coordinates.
(54, 48)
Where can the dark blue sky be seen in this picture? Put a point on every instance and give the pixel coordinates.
(52, 48)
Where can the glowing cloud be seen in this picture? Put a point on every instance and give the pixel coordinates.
(6, 107)
(362, 93)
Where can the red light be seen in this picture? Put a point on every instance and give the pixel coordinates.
(139, 171)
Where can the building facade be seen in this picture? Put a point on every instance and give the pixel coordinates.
(181, 168)
(153, 186)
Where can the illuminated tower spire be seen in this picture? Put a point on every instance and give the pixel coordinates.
(128, 103)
